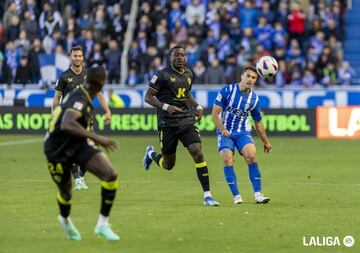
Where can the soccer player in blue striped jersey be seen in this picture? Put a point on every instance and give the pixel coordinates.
(233, 105)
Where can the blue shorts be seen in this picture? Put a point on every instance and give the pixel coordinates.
(238, 140)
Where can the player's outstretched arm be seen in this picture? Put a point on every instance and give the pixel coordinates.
(262, 133)
(106, 108)
(216, 118)
(70, 125)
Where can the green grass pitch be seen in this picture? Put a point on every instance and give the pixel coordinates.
(314, 188)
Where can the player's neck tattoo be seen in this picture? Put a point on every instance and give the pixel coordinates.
(180, 72)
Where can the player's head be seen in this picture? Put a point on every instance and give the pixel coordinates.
(249, 76)
(96, 77)
(178, 57)
(76, 56)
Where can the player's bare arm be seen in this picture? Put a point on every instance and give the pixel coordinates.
(199, 109)
(265, 140)
(70, 125)
(216, 118)
(56, 100)
(106, 108)
(152, 100)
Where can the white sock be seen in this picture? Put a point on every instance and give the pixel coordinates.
(150, 153)
(64, 221)
(207, 194)
(257, 194)
(102, 221)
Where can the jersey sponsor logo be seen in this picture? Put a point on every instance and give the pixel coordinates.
(153, 79)
(173, 79)
(181, 93)
(70, 79)
(78, 106)
(219, 97)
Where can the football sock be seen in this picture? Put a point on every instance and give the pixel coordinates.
(108, 191)
(82, 172)
(255, 177)
(230, 177)
(64, 206)
(158, 158)
(207, 194)
(203, 175)
(102, 221)
(75, 171)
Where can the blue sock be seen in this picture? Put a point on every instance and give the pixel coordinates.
(255, 176)
(231, 179)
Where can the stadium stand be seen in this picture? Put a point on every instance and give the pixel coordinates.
(306, 37)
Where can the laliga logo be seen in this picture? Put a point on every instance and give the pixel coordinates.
(330, 241)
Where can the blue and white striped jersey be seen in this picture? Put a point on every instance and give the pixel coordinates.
(237, 106)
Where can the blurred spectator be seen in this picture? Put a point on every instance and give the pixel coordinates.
(192, 51)
(175, 14)
(96, 56)
(232, 71)
(133, 78)
(49, 18)
(22, 43)
(195, 12)
(199, 73)
(329, 75)
(264, 33)
(308, 79)
(224, 47)
(249, 15)
(282, 14)
(345, 73)
(30, 26)
(5, 73)
(179, 33)
(23, 72)
(296, 21)
(113, 56)
(215, 73)
(12, 57)
(13, 30)
(35, 51)
(9, 14)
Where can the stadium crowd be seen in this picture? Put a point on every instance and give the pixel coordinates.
(220, 38)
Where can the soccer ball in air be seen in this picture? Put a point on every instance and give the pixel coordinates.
(267, 66)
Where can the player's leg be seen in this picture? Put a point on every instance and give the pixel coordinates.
(62, 177)
(168, 143)
(190, 138)
(248, 151)
(226, 149)
(97, 163)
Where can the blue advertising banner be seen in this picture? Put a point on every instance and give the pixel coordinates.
(286, 98)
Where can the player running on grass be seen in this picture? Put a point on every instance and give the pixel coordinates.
(169, 91)
(233, 105)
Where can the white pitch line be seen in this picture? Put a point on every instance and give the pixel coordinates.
(19, 142)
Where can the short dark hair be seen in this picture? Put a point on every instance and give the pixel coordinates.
(175, 47)
(250, 67)
(96, 76)
(76, 48)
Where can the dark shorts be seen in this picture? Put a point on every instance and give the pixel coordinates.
(170, 136)
(61, 170)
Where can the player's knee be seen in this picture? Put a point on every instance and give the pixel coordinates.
(111, 175)
(228, 161)
(250, 158)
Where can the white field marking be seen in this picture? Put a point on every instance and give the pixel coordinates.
(19, 142)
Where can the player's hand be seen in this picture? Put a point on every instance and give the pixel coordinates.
(199, 113)
(107, 118)
(225, 133)
(174, 109)
(107, 143)
(267, 148)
